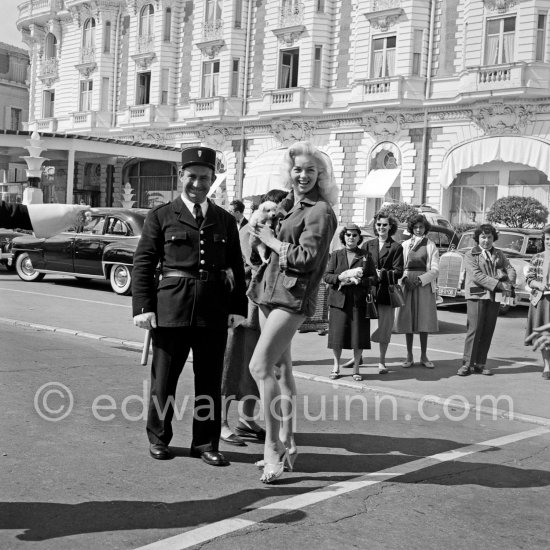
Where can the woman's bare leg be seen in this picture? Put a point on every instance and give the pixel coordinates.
(278, 328)
(287, 387)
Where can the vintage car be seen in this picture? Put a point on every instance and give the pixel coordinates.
(6, 243)
(103, 248)
(519, 245)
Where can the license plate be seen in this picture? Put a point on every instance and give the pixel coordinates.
(450, 292)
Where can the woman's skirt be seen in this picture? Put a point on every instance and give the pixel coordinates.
(538, 315)
(386, 318)
(348, 328)
(419, 314)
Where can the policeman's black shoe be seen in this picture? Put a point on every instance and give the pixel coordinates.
(159, 451)
(212, 458)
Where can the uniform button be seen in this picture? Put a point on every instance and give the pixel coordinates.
(202, 251)
(202, 242)
(173, 238)
(202, 232)
(202, 261)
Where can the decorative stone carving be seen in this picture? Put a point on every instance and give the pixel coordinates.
(150, 136)
(384, 13)
(81, 12)
(382, 125)
(288, 131)
(290, 26)
(213, 136)
(499, 119)
(144, 60)
(500, 6)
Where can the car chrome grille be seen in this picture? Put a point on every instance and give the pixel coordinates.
(450, 266)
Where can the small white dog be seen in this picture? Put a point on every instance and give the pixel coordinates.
(265, 214)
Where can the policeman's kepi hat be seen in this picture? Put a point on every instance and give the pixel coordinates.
(198, 155)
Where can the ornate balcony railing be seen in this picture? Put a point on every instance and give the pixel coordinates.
(212, 30)
(87, 55)
(48, 67)
(145, 43)
(381, 5)
(292, 15)
(37, 7)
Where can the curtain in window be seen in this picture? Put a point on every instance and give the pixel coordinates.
(390, 63)
(377, 62)
(508, 52)
(491, 56)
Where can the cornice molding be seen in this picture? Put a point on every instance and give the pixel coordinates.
(287, 131)
(503, 119)
(500, 6)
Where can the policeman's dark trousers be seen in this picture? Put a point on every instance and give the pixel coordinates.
(170, 350)
(480, 326)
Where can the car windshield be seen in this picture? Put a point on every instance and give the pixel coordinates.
(509, 241)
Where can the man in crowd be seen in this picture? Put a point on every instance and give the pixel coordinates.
(236, 208)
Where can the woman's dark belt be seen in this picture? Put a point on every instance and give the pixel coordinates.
(201, 274)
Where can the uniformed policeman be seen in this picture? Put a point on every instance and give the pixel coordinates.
(196, 245)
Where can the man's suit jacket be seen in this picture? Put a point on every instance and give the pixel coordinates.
(389, 258)
(14, 216)
(244, 222)
(171, 236)
(338, 263)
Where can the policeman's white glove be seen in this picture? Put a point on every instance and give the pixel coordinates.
(233, 321)
(230, 278)
(146, 320)
(49, 219)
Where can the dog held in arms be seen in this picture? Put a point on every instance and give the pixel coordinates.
(265, 214)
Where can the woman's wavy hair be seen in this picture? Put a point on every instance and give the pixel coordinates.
(486, 229)
(325, 180)
(343, 236)
(391, 220)
(418, 218)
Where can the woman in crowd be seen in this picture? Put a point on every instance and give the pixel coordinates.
(286, 290)
(350, 274)
(388, 258)
(489, 277)
(538, 280)
(421, 268)
(237, 382)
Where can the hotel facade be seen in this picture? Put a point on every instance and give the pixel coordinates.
(438, 102)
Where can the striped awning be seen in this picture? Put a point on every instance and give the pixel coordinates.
(263, 174)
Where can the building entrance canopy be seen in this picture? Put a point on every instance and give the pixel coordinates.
(72, 148)
(378, 183)
(521, 150)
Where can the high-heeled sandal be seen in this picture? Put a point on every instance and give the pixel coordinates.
(271, 472)
(291, 459)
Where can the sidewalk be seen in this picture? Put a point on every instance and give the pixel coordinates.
(515, 387)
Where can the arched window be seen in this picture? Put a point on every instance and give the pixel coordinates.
(146, 20)
(50, 46)
(88, 37)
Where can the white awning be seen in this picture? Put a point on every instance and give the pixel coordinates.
(518, 149)
(378, 182)
(263, 174)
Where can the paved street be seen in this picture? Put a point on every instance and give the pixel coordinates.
(378, 466)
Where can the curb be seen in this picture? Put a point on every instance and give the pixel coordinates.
(362, 388)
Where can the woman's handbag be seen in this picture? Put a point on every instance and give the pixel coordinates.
(371, 311)
(396, 293)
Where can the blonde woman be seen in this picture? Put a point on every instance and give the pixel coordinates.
(286, 291)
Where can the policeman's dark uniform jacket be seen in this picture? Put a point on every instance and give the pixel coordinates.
(192, 304)
(291, 281)
(14, 216)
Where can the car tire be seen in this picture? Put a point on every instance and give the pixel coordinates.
(121, 279)
(25, 270)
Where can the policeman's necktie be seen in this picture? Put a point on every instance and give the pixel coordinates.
(197, 212)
